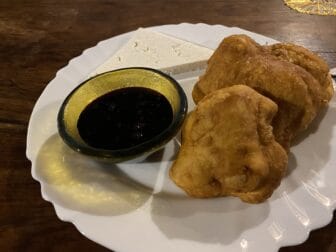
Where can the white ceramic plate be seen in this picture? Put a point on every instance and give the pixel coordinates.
(135, 207)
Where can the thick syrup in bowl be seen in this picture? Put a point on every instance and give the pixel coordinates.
(124, 118)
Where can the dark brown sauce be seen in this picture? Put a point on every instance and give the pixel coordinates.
(124, 118)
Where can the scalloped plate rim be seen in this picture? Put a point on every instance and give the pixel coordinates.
(59, 210)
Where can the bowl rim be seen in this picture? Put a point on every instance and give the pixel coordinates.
(144, 148)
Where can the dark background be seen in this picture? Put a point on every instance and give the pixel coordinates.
(39, 37)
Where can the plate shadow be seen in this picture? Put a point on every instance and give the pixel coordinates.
(81, 183)
(216, 220)
(310, 152)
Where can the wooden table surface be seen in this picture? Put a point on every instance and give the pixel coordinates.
(39, 37)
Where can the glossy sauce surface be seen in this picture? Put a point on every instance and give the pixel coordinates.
(124, 118)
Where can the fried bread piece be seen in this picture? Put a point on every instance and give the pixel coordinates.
(273, 73)
(228, 147)
(306, 59)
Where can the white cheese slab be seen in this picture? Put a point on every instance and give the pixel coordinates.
(152, 49)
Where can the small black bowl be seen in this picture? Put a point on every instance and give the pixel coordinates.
(93, 88)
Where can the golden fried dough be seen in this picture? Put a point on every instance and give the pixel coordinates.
(285, 74)
(304, 58)
(228, 147)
